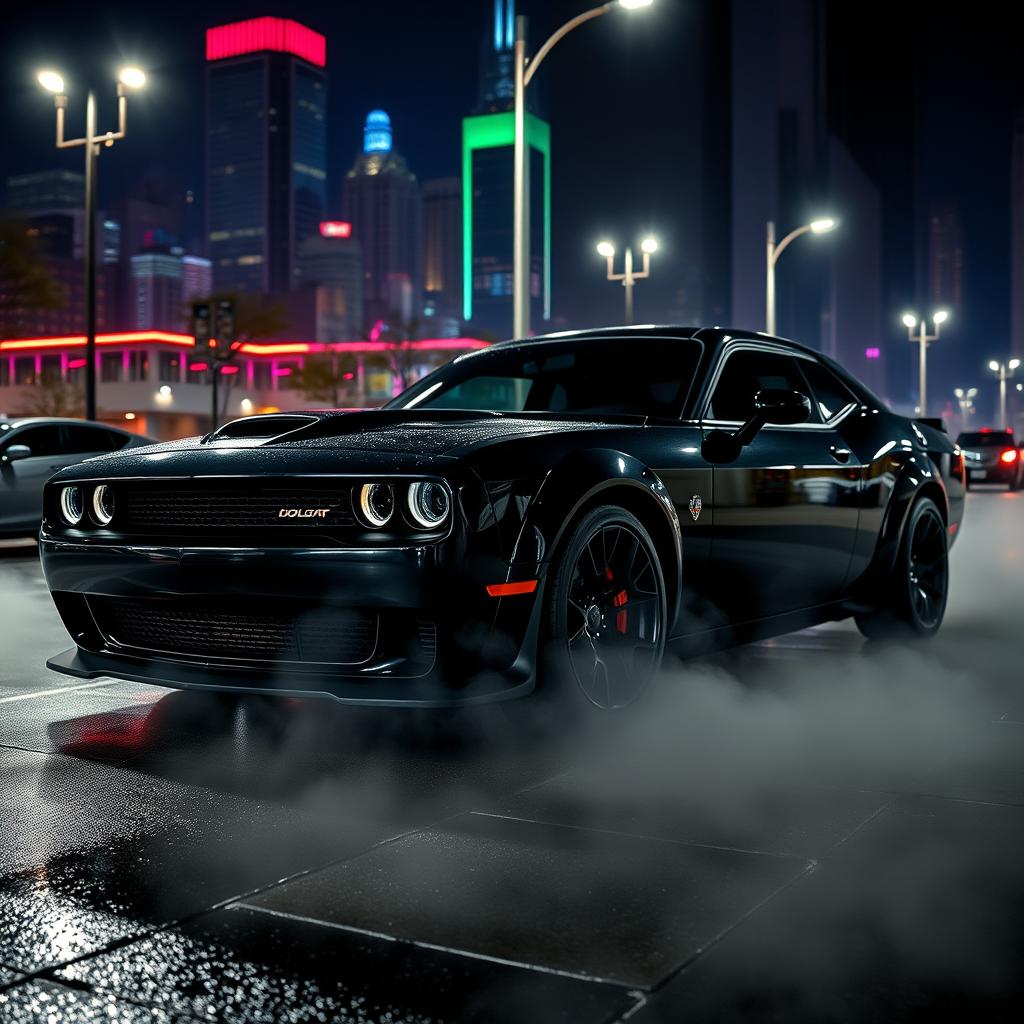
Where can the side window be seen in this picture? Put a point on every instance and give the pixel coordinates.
(828, 392)
(82, 440)
(44, 440)
(745, 373)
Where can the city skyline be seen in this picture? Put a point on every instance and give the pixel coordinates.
(598, 123)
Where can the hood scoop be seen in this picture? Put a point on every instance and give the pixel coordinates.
(255, 428)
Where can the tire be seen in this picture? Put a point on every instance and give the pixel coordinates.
(912, 599)
(605, 614)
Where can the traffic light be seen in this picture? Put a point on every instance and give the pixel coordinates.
(201, 322)
(225, 327)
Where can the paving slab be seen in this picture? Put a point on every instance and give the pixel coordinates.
(43, 1001)
(94, 854)
(802, 822)
(588, 903)
(920, 916)
(242, 965)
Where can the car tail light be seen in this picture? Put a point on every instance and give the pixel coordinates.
(1010, 456)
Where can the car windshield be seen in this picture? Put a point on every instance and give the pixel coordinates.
(631, 377)
(985, 439)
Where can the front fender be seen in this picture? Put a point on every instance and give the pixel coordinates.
(588, 478)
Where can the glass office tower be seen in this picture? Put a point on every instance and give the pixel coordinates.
(266, 150)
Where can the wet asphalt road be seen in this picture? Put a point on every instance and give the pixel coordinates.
(806, 829)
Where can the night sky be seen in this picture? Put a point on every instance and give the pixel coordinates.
(924, 102)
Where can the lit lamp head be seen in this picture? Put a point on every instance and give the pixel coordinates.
(605, 249)
(941, 317)
(959, 392)
(1013, 364)
(132, 78)
(993, 366)
(634, 5)
(822, 225)
(909, 320)
(51, 82)
(649, 245)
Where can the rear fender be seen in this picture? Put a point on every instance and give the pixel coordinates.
(918, 477)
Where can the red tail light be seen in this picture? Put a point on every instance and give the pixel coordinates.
(1010, 456)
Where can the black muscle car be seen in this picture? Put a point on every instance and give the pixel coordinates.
(546, 515)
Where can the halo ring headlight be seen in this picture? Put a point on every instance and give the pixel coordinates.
(376, 503)
(71, 505)
(103, 505)
(429, 504)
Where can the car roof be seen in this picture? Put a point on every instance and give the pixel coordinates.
(31, 421)
(713, 336)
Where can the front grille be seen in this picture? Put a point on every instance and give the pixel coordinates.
(254, 631)
(198, 509)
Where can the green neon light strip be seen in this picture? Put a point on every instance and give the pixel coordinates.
(489, 131)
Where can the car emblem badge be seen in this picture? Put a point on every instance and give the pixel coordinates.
(695, 506)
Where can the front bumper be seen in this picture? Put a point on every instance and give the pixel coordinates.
(439, 639)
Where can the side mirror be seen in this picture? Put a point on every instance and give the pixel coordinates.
(17, 452)
(778, 406)
(781, 407)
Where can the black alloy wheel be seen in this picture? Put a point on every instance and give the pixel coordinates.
(605, 612)
(914, 597)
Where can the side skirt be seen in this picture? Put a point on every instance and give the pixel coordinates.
(735, 634)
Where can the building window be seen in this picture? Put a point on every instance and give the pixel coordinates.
(283, 374)
(111, 367)
(50, 369)
(170, 367)
(24, 370)
(261, 375)
(76, 370)
(198, 372)
(138, 365)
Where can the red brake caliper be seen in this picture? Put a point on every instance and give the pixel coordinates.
(622, 615)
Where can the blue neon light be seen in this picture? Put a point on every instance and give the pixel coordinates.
(377, 135)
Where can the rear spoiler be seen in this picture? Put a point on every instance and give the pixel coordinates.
(933, 421)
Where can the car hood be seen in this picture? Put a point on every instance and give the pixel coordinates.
(288, 444)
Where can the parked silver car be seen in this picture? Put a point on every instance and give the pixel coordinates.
(32, 450)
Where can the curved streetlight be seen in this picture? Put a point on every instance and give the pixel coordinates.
(923, 339)
(820, 226)
(53, 81)
(1003, 372)
(648, 247)
(525, 69)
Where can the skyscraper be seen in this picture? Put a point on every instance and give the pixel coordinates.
(156, 287)
(487, 177)
(442, 246)
(266, 150)
(381, 199)
(332, 268)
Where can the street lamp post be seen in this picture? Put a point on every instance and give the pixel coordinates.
(965, 399)
(130, 78)
(774, 251)
(525, 69)
(647, 247)
(1003, 372)
(923, 339)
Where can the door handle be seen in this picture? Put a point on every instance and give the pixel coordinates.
(839, 454)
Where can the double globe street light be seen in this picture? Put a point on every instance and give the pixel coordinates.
(648, 246)
(525, 69)
(1003, 372)
(923, 339)
(52, 81)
